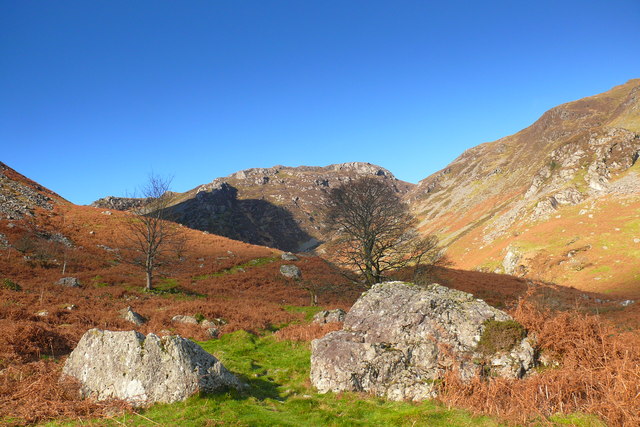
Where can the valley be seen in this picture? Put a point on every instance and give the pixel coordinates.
(544, 224)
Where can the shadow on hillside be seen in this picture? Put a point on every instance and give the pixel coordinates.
(504, 291)
(254, 221)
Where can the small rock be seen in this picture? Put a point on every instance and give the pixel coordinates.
(288, 256)
(213, 332)
(210, 323)
(190, 320)
(43, 313)
(106, 213)
(131, 316)
(290, 271)
(71, 282)
(328, 316)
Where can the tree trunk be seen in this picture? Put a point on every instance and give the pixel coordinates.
(149, 280)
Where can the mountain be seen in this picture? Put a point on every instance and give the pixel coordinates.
(20, 196)
(277, 207)
(559, 200)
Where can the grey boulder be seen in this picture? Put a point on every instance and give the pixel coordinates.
(131, 316)
(288, 256)
(399, 340)
(143, 370)
(71, 282)
(290, 271)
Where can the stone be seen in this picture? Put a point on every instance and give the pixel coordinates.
(70, 282)
(328, 316)
(131, 316)
(213, 332)
(399, 339)
(288, 256)
(290, 271)
(190, 320)
(143, 370)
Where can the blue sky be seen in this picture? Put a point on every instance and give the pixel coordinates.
(95, 95)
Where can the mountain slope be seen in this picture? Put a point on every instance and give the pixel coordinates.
(576, 167)
(277, 207)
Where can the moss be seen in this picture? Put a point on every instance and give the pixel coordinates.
(500, 336)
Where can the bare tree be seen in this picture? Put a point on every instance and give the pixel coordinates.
(374, 231)
(153, 239)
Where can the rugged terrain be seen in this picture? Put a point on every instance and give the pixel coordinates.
(237, 286)
(277, 207)
(558, 201)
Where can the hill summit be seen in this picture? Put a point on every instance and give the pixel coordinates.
(277, 207)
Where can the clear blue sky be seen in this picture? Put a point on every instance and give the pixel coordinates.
(96, 94)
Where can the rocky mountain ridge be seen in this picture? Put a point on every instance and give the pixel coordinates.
(580, 154)
(277, 207)
(19, 196)
(502, 206)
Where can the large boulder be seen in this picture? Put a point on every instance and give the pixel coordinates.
(399, 339)
(142, 370)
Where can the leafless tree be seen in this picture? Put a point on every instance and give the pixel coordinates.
(151, 236)
(374, 233)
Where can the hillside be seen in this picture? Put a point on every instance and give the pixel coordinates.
(558, 201)
(277, 207)
(236, 285)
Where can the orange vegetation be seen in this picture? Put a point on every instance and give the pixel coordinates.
(598, 372)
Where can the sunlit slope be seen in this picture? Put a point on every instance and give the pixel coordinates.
(524, 203)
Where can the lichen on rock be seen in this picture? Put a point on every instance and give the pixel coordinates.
(399, 340)
(142, 370)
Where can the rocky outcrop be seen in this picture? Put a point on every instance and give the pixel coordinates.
(399, 339)
(119, 203)
(276, 207)
(142, 370)
(19, 196)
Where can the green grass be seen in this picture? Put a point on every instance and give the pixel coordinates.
(236, 268)
(309, 311)
(280, 394)
(579, 420)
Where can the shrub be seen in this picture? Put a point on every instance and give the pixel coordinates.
(500, 336)
(10, 285)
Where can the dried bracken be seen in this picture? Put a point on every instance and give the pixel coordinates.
(592, 369)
